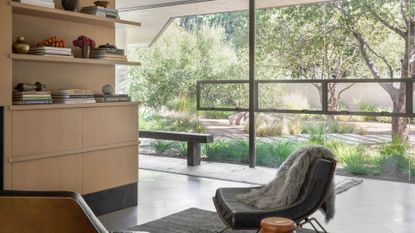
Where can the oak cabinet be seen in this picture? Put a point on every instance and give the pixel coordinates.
(85, 149)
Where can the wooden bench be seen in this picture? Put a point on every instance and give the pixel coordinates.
(193, 142)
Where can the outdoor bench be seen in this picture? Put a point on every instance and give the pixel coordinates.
(193, 142)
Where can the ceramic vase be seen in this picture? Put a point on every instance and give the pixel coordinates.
(70, 5)
(20, 46)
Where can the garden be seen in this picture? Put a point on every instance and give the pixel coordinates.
(349, 39)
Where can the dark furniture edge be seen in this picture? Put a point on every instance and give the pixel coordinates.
(113, 199)
(177, 136)
(1, 148)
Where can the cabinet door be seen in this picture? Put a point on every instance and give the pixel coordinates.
(50, 174)
(43, 131)
(109, 168)
(109, 125)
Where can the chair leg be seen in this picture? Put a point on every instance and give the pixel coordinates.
(223, 230)
(310, 221)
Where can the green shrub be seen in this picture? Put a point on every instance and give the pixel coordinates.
(226, 150)
(171, 121)
(397, 151)
(268, 154)
(315, 132)
(342, 128)
(354, 158)
(269, 125)
(217, 114)
(181, 148)
(367, 107)
(162, 146)
(275, 153)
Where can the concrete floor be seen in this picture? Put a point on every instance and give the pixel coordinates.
(372, 207)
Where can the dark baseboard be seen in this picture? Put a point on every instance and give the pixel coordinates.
(114, 199)
(1, 148)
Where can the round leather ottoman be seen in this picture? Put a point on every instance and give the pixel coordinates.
(277, 225)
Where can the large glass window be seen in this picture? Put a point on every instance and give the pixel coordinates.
(351, 66)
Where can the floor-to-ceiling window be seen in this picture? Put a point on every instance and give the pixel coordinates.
(321, 72)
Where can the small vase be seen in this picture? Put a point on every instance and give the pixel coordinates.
(20, 46)
(70, 5)
(85, 51)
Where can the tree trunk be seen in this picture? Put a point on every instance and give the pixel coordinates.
(399, 124)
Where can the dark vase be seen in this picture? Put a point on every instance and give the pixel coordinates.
(85, 51)
(70, 5)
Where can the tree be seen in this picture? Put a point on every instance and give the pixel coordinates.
(305, 42)
(176, 61)
(388, 19)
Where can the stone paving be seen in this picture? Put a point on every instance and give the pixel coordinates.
(376, 133)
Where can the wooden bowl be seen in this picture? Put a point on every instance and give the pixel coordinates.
(104, 4)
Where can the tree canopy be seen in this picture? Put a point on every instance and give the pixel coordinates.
(335, 40)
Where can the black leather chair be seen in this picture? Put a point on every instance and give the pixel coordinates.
(314, 191)
(46, 212)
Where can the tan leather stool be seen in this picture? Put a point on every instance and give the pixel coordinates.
(277, 225)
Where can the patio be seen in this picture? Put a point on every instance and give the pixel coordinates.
(371, 207)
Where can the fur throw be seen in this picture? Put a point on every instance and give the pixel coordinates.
(284, 189)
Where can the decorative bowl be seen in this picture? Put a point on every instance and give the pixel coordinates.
(104, 4)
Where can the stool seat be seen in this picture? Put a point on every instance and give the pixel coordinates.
(277, 225)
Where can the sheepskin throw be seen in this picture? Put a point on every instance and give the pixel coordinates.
(284, 189)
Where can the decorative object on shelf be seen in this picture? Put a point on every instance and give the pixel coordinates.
(86, 50)
(109, 52)
(31, 97)
(101, 11)
(107, 96)
(54, 51)
(42, 3)
(85, 43)
(38, 86)
(104, 4)
(101, 98)
(20, 46)
(107, 46)
(73, 96)
(70, 5)
(53, 41)
(107, 89)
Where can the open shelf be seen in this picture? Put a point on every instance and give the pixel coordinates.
(60, 106)
(61, 59)
(58, 14)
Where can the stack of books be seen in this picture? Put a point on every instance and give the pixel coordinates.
(108, 54)
(73, 96)
(100, 11)
(32, 97)
(43, 3)
(101, 98)
(54, 51)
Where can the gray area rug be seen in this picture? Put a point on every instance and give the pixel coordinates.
(191, 221)
(346, 184)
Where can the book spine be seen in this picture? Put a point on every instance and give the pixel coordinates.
(32, 102)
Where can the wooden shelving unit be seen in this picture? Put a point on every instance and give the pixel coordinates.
(58, 14)
(60, 59)
(91, 149)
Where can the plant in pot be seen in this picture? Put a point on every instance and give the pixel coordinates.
(85, 44)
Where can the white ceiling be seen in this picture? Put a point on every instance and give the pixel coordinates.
(155, 18)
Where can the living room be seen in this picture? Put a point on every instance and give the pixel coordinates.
(207, 116)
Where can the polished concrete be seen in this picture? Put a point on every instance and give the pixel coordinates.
(214, 170)
(372, 207)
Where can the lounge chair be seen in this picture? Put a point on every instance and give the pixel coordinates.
(315, 189)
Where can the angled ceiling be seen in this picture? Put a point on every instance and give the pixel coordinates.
(156, 15)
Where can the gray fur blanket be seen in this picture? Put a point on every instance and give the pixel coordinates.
(284, 189)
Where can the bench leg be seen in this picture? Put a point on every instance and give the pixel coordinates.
(193, 154)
